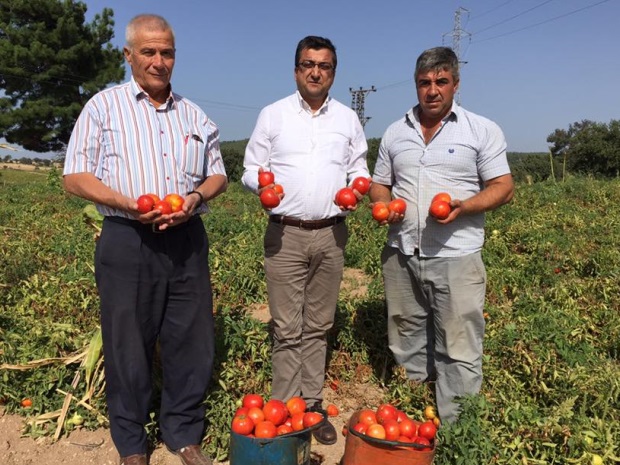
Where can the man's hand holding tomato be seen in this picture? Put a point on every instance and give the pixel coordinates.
(263, 185)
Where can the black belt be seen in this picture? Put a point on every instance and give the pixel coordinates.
(306, 224)
(151, 227)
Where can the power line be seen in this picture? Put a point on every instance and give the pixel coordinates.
(491, 10)
(543, 22)
(357, 102)
(513, 17)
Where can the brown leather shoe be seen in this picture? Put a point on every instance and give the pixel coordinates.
(192, 455)
(326, 434)
(135, 459)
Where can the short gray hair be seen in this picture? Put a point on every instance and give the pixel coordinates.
(150, 22)
(438, 59)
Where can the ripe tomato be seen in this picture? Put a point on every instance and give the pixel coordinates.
(400, 415)
(265, 178)
(296, 404)
(386, 412)
(404, 439)
(283, 429)
(145, 203)
(361, 185)
(408, 428)
(242, 411)
(175, 201)
(392, 430)
(427, 430)
(442, 196)
(275, 411)
(265, 429)
(376, 431)
(312, 418)
(422, 442)
(26, 403)
(332, 410)
(360, 428)
(163, 207)
(269, 199)
(436, 422)
(440, 209)
(154, 197)
(346, 198)
(252, 400)
(429, 412)
(278, 189)
(380, 211)
(345, 430)
(297, 421)
(398, 206)
(242, 424)
(367, 416)
(256, 414)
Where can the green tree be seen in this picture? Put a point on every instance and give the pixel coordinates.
(51, 63)
(589, 147)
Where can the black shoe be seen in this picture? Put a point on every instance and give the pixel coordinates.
(326, 433)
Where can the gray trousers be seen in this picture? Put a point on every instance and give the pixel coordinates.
(303, 269)
(435, 321)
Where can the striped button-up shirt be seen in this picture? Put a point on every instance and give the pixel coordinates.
(466, 151)
(135, 148)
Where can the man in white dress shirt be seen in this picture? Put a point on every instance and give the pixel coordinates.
(314, 145)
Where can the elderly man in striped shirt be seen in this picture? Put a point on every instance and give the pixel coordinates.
(152, 269)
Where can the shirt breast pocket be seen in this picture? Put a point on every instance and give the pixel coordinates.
(194, 153)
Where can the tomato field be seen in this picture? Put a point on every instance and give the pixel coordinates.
(551, 390)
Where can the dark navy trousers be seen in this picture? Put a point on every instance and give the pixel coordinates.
(155, 287)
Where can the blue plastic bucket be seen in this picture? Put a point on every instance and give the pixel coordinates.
(290, 449)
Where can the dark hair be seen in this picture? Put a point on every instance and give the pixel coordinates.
(438, 59)
(315, 43)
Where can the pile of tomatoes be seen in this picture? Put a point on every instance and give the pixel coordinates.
(391, 424)
(260, 419)
(171, 203)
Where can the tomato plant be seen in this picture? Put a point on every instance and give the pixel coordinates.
(440, 209)
(346, 198)
(242, 424)
(265, 178)
(145, 203)
(269, 199)
(380, 211)
(361, 185)
(398, 206)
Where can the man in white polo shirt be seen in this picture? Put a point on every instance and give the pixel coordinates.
(434, 277)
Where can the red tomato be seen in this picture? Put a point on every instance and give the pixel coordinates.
(398, 206)
(346, 198)
(242, 411)
(242, 424)
(269, 198)
(312, 418)
(252, 400)
(376, 431)
(154, 197)
(175, 201)
(392, 430)
(386, 412)
(145, 203)
(256, 414)
(332, 410)
(278, 189)
(423, 442)
(275, 411)
(265, 178)
(289, 422)
(408, 428)
(297, 421)
(283, 429)
(26, 403)
(265, 429)
(295, 405)
(442, 196)
(440, 209)
(427, 430)
(404, 439)
(380, 211)
(360, 427)
(361, 185)
(163, 207)
(401, 416)
(367, 416)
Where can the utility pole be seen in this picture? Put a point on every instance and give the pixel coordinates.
(358, 98)
(457, 34)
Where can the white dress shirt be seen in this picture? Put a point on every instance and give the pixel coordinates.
(312, 155)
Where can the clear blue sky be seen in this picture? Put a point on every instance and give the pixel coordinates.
(531, 65)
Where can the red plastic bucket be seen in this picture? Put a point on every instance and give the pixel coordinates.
(364, 450)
